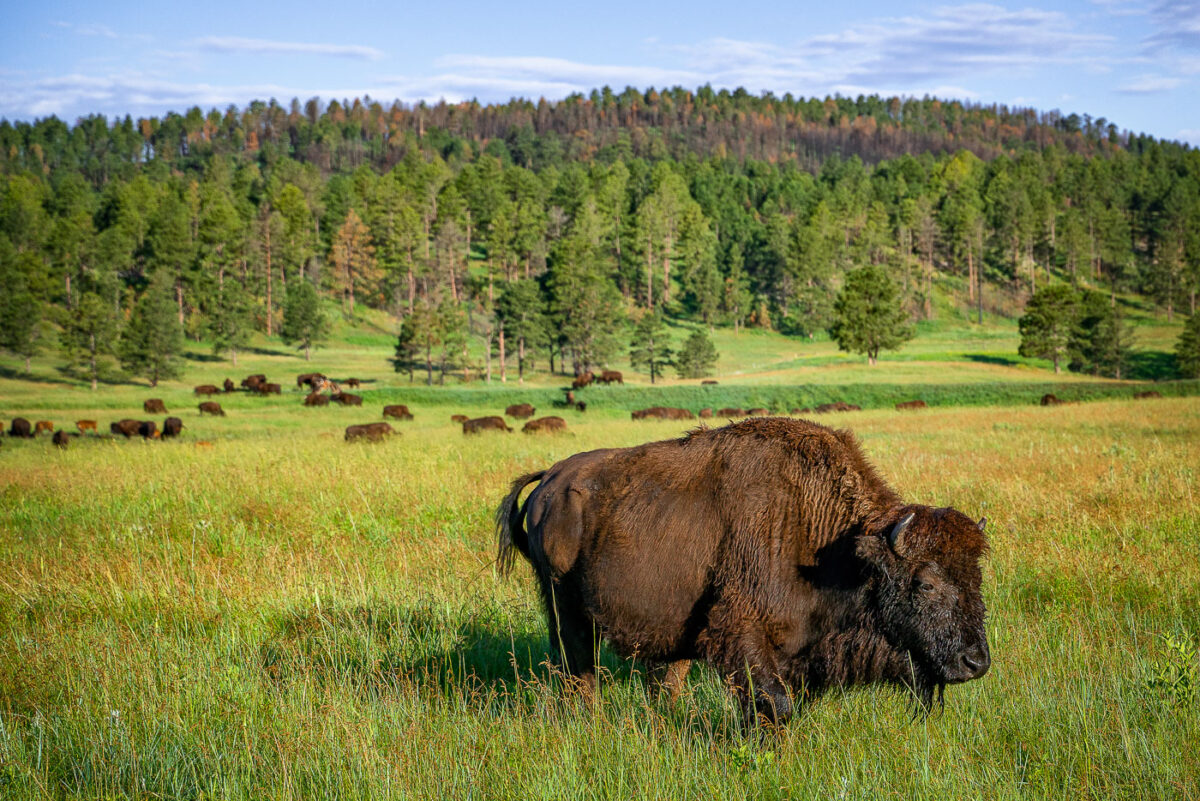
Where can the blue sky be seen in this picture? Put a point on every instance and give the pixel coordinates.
(1135, 63)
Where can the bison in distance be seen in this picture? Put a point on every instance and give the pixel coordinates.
(769, 548)
(154, 406)
(206, 389)
(662, 413)
(316, 399)
(520, 411)
(370, 431)
(397, 411)
(481, 424)
(545, 425)
(211, 407)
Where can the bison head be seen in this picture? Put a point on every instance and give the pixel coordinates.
(927, 594)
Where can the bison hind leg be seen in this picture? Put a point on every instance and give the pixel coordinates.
(575, 639)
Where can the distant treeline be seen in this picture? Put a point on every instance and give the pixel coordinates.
(538, 227)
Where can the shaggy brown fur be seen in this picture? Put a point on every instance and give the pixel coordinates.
(662, 413)
(229, 387)
(20, 427)
(731, 412)
(459, 418)
(42, 425)
(481, 424)
(706, 414)
(372, 431)
(61, 439)
(912, 404)
(267, 388)
(154, 406)
(148, 429)
(316, 399)
(545, 425)
(172, 427)
(206, 389)
(582, 380)
(769, 548)
(520, 411)
(352, 383)
(399, 411)
(837, 406)
(346, 399)
(211, 407)
(611, 377)
(251, 382)
(1049, 399)
(86, 425)
(127, 427)
(306, 379)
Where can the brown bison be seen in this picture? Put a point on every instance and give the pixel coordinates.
(708, 382)
(306, 379)
(582, 380)
(706, 414)
(1049, 399)
(837, 406)
(86, 425)
(206, 389)
(352, 383)
(60, 438)
(520, 410)
(229, 387)
(581, 407)
(481, 424)
(371, 431)
(266, 388)
(127, 427)
(912, 404)
(346, 399)
(459, 418)
(730, 411)
(42, 425)
(398, 411)
(211, 407)
(758, 412)
(20, 427)
(1150, 393)
(805, 410)
(154, 406)
(148, 429)
(769, 548)
(662, 413)
(610, 377)
(172, 427)
(545, 425)
(251, 382)
(316, 399)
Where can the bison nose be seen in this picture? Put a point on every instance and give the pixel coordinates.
(976, 661)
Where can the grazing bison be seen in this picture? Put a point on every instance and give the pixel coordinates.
(306, 379)
(154, 406)
(545, 425)
(316, 399)
(758, 412)
(582, 380)
(42, 425)
(172, 427)
(229, 387)
(352, 383)
(481, 424)
(20, 427)
(708, 382)
(371, 431)
(86, 425)
(581, 407)
(127, 427)
(520, 410)
(1049, 399)
(206, 389)
(730, 411)
(398, 411)
(211, 407)
(1150, 393)
(346, 399)
(769, 548)
(706, 414)
(267, 389)
(912, 404)
(60, 438)
(662, 413)
(837, 406)
(251, 382)
(459, 418)
(148, 429)
(611, 377)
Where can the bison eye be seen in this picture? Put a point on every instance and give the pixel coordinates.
(925, 586)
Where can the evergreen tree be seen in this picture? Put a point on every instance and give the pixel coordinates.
(229, 321)
(520, 311)
(868, 315)
(698, 356)
(304, 323)
(651, 345)
(89, 333)
(20, 308)
(1187, 349)
(152, 341)
(1102, 342)
(1048, 322)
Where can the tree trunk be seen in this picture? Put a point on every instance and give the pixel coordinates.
(503, 371)
(27, 368)
(521, 359)
(268, 246)
(649, 275)
(92, 355)
(306, 351)
(233, 356)
(179, 298)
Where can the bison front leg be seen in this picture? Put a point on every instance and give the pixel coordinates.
(668, 678)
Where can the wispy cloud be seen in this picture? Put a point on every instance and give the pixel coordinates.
(1189, 135)
(1149, 85)
(238, 44)
(1177, 23)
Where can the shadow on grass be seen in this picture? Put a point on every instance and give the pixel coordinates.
(193, 356)
(38, 378)
(987, 358)
(108, 379)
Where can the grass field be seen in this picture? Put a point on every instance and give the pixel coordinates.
(283, 615)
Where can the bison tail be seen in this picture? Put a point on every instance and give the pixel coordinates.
(510, 532)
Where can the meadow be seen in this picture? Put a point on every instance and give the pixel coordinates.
(280, 614)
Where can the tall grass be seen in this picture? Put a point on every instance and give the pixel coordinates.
(283, 615)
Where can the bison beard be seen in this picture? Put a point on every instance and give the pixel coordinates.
(769, 548)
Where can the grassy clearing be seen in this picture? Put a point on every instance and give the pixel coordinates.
(283, 615)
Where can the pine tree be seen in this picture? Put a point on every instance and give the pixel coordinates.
(1046, 326)
(698, 357)
(519, 309)
(304, 323)
(89, 332)
(868, 315)
(229, 321)
(353, 258)
(151, 343)
(651, 345)
(1102, 342)
(20, 309)
(1187, 349)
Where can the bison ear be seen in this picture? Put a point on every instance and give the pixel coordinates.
(982, 523)
(895, 537)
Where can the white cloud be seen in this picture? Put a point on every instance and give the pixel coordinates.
(239, 44)
(1189, 135)
(1149, 84)
(1178, 23)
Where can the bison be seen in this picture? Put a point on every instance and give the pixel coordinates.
(154, 406)
(86, 425)
(730, 411)
(229, 387)
(758, 412)
(582, 380)
(837, 406)
(251, 382)
(127, 427)
(316, 399)
(346, 399)
(206, 389)
(545, 425)
(42, 425)
(805, 410)
(662, 413)
(398, 411)
(306, 379)
(60, 438)
(610, 377)
(459, 418)
(1049, 399)
(481, 424)
(148, 429)
(581, 406)
(20, 427)
(1150, 393)
(211, 407)
(769, 548)
(520, 410)
(351, 382)
(706, 414)
(708, 382)
(371, 431)
(912, 404)
(172, 427)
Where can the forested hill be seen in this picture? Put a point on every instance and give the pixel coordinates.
(557, 219)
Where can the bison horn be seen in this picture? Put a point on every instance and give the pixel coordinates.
(898, 530)
(982, 523)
